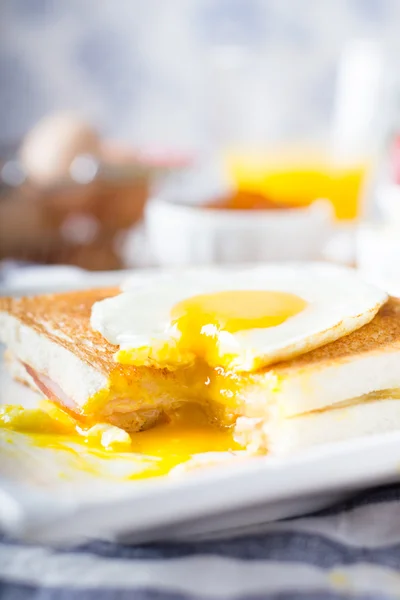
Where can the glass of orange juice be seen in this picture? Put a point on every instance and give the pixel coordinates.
(297, 178)
(270, 149)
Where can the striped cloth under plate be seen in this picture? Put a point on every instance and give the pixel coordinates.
(349, 551)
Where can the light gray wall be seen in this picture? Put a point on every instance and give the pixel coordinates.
(139, 68)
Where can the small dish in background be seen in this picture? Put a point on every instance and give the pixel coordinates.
(183, 234)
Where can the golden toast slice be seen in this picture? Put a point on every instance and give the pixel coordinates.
(52, 339)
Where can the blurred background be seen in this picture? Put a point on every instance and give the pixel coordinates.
(200, 131)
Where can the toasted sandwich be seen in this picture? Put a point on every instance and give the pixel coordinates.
(344, 388)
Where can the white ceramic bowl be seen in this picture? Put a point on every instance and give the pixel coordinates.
(182, 234)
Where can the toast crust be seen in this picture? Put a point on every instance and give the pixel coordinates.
(379, 336)
(65, 320)
(140, 396)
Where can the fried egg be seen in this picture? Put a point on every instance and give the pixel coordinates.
(240, 319)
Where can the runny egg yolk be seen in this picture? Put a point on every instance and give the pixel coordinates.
(209, 328)
(153, 452)
(200, 319)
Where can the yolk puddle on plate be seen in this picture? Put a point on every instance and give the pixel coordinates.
(160, 449)
(186, 434)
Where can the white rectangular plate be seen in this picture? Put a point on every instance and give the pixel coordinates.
(45, 497)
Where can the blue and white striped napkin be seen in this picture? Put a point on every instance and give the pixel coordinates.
(349, 551)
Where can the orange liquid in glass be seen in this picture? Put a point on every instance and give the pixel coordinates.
(297, 181)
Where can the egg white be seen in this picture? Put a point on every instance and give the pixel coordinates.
(338, 302)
